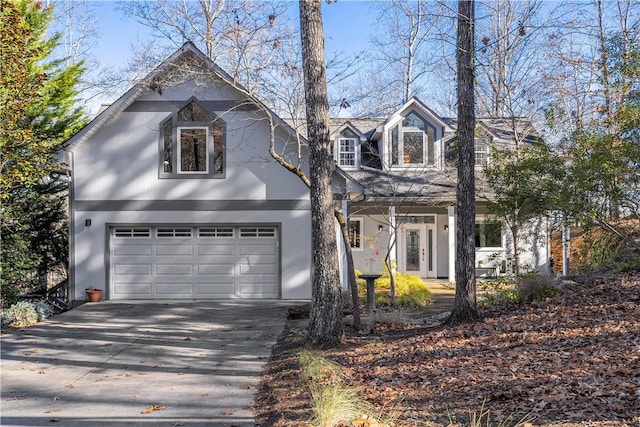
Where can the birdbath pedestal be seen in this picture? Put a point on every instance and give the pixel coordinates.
(371, 280)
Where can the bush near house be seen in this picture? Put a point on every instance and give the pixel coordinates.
(506, 291)
(25, 313)
(411, 291)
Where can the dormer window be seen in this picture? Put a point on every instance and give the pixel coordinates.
(192, 142)
(347, 151)
(481, 149)
(413, 142)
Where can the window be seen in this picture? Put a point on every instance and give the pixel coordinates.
(416, 219)
(192, 143)
(173, 232)
(481, 148)
(413, 142)
(347, 151)
(192, 150)
(257, 232)
(215, 232)
(355, 233)
(488, 234)
(132, 232)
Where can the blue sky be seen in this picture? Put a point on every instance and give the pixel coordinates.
(347, 24)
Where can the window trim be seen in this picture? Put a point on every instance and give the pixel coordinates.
(359, 220)
(354, 145)
(477, 152)
(396, 156)
(213, 125)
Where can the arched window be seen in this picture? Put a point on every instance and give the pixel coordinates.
(192, 143)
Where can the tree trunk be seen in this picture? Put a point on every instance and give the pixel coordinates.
(465, 309)
(325, 320)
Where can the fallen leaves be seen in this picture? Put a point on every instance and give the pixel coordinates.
(153, 408)
(574, 359)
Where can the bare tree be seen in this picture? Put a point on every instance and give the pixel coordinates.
(400, 61)
(510, 56)
(325, 323)
(465, 308)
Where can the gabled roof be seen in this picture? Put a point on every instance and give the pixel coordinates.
(503, 128)
(149, 82)
(347, 125)
(415, 103)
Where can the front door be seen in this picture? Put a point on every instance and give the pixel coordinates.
(418, 249)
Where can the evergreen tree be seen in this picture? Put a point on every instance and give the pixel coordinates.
(38, 114)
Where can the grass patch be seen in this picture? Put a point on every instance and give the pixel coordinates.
(334, 402)
(317, 369)
(410, 291)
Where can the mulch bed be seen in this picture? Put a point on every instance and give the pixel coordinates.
(573, 360)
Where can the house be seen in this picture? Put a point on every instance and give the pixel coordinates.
(404, 163)
(174, 194)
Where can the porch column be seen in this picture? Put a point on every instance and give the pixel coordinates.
(452, 243)
(393, 244)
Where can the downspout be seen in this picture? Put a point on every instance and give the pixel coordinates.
(72, 230)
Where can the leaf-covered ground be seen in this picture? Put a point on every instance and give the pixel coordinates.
(573, 360)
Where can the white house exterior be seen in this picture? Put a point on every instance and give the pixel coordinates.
(403, 162)
(174, 195)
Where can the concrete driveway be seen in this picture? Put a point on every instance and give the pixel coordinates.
(152, 363)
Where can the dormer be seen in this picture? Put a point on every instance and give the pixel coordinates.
(413, 137)
(347, 146)
(482, 140)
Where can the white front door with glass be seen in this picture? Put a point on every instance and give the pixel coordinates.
(417, 244)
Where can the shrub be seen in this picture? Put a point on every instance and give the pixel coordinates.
(43, 309)
(497, 291)
(9, 294)
(510, 291)
(534, 287)
(411, 291)
(21, 314)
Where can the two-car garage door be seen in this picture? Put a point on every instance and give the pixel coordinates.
(194, 262)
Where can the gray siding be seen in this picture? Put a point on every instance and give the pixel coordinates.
(115, 181)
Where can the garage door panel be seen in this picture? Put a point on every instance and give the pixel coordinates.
(219, 249)
(257, 290)
(223, 289)
(174, 288)
(217, 269)
(175, 250)
(132, 269)
(194, 262)
(174, 269)
(257, 269)
(128, 250)
(132, 289)
(257, 249)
